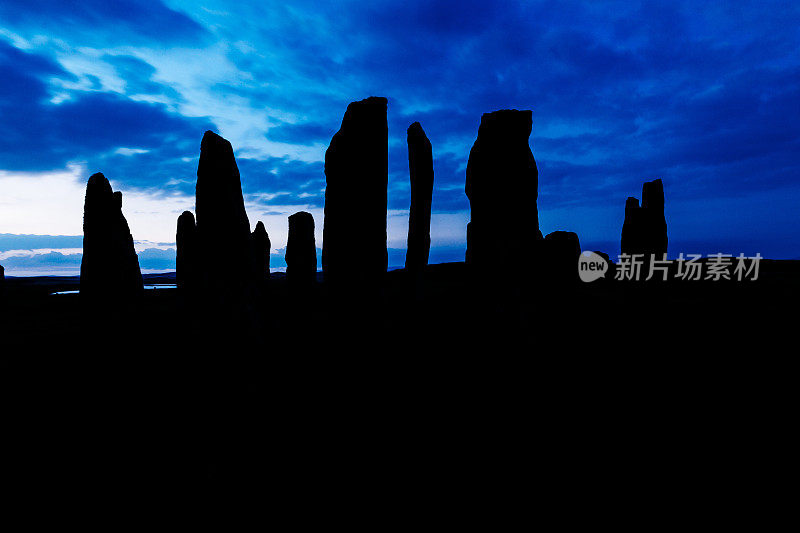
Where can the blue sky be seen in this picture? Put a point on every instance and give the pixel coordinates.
(705, 95)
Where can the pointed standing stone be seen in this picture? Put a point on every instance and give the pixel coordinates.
(259, 254)
(502, 187)
(223, 229)
(301, 251)
(109, 266)
(354, 251)
(420, 166)
(186, 261)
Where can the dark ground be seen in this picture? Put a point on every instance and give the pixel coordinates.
(429, 397)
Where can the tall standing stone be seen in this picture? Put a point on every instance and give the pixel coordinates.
(502, 187)
(259, 254)
(186, 261)
(110, 266)
(356, 170)
(223, 229)
(420, 166)
(301, 251)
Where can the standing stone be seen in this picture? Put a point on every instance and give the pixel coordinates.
(110, 266)
(502, 187)
(420, 166)
(223, 229)
(186, 261)
(644, 230)
(562, 249)
(632, 238)
(301, 251)
(656, 222)
(259, 254)
(2, 276)
(354, 251)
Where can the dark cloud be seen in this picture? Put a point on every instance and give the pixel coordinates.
(89, 128)
(302, 134)
(101, 21)
(294, 182)
(138, 76)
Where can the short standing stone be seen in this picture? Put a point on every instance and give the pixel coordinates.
(301, 251)
(186, 267)
(562, 251)
(259, 254)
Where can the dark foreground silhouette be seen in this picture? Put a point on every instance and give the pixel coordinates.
(594, 382)
(456, 384)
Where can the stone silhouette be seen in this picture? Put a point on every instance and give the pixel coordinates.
(420, 166)
(656, 226)
(259, 254)
(301, 251)
(2, 276)
(632, 237)
(356, 171)
(186, 261)
(644, 230)
(110, 266)
(223, 229)
(561, 252)
(502, 187)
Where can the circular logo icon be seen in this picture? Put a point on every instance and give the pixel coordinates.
(591, 266)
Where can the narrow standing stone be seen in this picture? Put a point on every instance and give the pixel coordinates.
(420, 166)
(186, 267)
(259, 254)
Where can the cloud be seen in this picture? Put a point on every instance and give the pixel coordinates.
(100, 22)
(10, 241)
(55, 260)
(91, 128)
